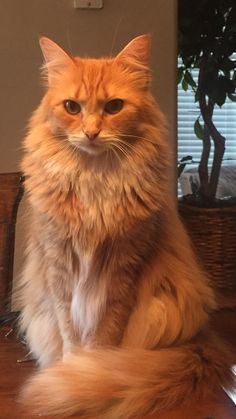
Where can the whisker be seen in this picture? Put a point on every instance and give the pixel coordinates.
(137, 137)
(118, 151)
(113, 149)
(117, 156)
(65, 145)
(127, 147)
(122, 150)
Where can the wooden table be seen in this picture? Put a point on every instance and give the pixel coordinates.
(13, 375)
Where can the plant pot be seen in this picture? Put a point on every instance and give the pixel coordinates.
(213, 234)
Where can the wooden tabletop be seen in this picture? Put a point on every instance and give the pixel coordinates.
(13, 375)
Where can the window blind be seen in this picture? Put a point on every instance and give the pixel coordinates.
(224, 119)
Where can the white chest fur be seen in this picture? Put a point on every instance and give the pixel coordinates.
(88, 301)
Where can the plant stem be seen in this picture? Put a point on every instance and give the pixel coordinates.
(218, 139)
(216, 166)
(203, 165)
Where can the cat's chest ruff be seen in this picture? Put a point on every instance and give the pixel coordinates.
(101, 201)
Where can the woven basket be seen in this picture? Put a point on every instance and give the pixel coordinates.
(213, 233)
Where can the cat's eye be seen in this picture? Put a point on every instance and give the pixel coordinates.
(72, 107)
(114, 106)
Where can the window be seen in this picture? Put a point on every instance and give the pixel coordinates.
(188, 143)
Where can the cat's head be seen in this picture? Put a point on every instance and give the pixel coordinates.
(97, 104)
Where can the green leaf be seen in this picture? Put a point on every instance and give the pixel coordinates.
(186, 158)
(188, 61)
(223, 86)
(198, 129)
(189, 79)
(180, 169)
(184, 85)
(197, 62)
(232, 97)
(227, 73)
(182, 163)
(180, 72)
(227, 84)
(227, 64)
(220, 98)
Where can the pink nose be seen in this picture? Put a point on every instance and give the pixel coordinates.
(92, 134)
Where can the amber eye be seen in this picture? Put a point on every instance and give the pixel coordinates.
(72, 107)
(114, 106)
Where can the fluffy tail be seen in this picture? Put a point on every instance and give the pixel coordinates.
(124, 383)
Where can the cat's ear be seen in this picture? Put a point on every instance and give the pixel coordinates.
(56, 59)
(137, 51)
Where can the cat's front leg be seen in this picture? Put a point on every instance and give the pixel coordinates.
(111, 329)
(61, 301)
(111, 313)
(62, 274)
(38, 322)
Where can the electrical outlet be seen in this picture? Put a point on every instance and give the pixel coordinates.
(88, 4)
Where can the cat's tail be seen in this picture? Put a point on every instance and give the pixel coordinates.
(125, 383)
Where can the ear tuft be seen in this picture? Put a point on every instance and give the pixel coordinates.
(56, 59)
(137, 51)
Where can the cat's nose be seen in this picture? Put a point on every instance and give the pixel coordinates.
(92, 135)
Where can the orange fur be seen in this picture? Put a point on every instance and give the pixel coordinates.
(113, 300)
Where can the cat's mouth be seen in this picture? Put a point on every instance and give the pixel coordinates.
(85, 145)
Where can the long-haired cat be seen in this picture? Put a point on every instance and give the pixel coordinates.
(114, 305)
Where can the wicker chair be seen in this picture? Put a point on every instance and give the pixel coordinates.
(11, 191)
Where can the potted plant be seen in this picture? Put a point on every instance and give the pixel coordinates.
(207, 40)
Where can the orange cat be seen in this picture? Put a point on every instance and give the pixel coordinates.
(114, 304)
